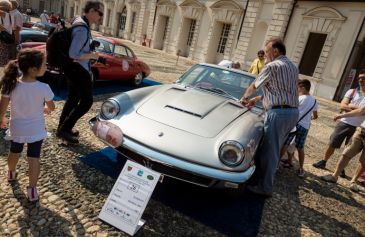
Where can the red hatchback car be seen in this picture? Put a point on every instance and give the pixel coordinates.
(120, 61)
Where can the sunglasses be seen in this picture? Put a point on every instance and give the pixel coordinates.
(362, 78)
(101, 14)
(261, 55)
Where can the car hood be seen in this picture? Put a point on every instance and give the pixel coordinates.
(198, 112)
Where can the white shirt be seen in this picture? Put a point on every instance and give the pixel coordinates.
(27, 122)
(305, 104)
(44, 18)
(5, 21)
(358, 100)
(225, 63)
(16, 19)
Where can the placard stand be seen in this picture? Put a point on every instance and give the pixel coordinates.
(129, 197)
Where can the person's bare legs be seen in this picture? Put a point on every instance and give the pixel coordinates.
(329, 152)
(290, 157)
(283, 150)
(34, 170)
(301, 158)
(359, 169)
(13, 159)
(342, 163)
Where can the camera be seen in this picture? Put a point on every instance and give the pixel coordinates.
(95, 44)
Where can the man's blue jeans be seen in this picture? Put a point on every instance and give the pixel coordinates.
(277, 125)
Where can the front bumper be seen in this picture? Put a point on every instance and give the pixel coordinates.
(179, 169)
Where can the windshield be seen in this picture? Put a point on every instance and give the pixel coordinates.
(217, 80)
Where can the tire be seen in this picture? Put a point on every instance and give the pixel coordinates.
(138, 79)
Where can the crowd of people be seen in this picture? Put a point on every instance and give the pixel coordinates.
(286, 99)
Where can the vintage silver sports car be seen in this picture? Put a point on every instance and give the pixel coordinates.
(194, 130)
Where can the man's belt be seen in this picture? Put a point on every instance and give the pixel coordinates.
(282, 107)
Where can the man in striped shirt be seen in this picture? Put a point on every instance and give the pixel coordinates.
(278, 81)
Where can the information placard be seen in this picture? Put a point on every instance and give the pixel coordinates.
(129, 197)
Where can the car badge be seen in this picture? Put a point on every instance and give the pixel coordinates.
(140, 173)
(150, 177)
(160, 134)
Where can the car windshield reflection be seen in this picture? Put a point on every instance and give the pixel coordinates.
(227, 83)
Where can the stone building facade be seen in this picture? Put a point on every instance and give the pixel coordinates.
(326, 39)
(37, 6)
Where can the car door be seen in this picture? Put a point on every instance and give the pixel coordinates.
(105, 50)
(127, 67)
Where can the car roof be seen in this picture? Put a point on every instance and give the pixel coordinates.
(110, 40)
(228, 69)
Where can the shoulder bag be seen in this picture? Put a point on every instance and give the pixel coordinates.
(294, 130)
(5, 36)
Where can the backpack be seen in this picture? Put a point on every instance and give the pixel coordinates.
(58, 45)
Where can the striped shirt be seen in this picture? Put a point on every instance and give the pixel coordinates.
(279, 82)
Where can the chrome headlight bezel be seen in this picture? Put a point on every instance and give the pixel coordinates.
(109, 109)
(235, 147)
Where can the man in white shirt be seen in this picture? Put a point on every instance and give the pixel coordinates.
(345, 128)
(44, 17)
(17, 24)
(229, 64)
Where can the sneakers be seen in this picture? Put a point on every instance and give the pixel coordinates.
(329, 178)
(354, 188)
(32, 194)
(301, 173)
(320, 164)
(11, 176)
(68, 137)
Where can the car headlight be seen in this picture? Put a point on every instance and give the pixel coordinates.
(109, 109)
(231, 153)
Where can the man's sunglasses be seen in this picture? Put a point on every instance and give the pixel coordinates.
(362, 78)
(261, 55)
(101, 14)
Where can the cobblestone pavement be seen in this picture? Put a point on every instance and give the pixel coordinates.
(72, 193)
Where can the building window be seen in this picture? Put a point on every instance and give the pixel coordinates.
(191, 32)
(311, 54)
(25, 4)
(224, 37)
(165, 29)
(123, 19)
(133, 21)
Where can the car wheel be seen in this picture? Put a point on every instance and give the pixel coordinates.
(138, 79)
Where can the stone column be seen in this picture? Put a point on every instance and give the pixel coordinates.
(150, 28)
(128, 23)
(140, 21)
(247, 30)
(281, 13)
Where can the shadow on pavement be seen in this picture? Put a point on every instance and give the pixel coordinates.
(230, 212)
(30, 223)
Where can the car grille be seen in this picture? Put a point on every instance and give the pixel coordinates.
(166, 170)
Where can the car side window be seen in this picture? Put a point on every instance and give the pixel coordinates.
(104, 47)
(129, 52)
(120, 51)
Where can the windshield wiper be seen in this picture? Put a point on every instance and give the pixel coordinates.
(219, 91)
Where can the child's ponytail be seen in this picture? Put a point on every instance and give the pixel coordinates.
(9, 80)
